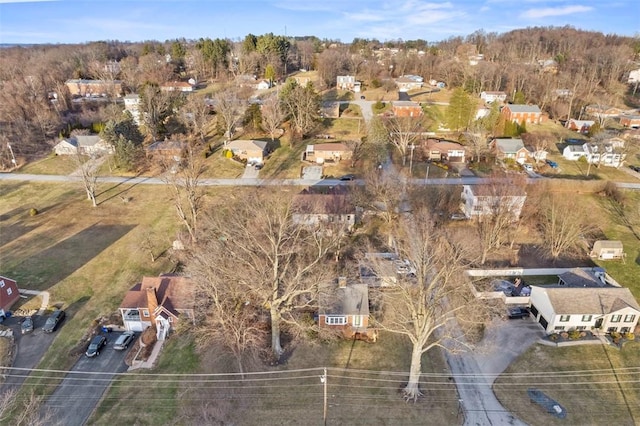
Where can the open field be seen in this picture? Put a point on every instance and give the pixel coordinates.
(50, 165)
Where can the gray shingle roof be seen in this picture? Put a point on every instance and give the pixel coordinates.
(589, 300)
(524, 108)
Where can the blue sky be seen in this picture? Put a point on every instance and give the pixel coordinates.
(75, 21)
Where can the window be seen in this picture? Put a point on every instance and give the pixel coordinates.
(581, 327)
(612, 329)
(586, 318)
(565, 318)
(145, 313)
(357, 321)
(9, 291)
(1, 283)
(336, 320)
(558, 328)
(627, 318)
(625, 329)
(616, 318)
(170, 319)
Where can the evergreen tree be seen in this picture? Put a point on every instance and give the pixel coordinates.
(460, 111)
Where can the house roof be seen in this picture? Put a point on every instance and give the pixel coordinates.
(334, 147)
(434, 144)
(582, 123)
(405, 104)
(323, 204)
(580, 300)
(607, 244)
(83, 81)
(523, 108)
(575, 148)
(350, 300)
(581, 278)
(495, 93)
(509, 145)
(248, 144)
(173, 293)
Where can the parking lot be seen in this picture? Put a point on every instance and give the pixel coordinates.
(77, 396)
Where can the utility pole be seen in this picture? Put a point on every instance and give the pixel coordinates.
(13, 157)
(323, 380)
(411, 159)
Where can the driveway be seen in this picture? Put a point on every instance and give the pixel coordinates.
(250, 172)
(30, 348)
(79, 393)
(474, 371)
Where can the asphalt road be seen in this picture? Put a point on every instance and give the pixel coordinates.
(30, 348)
(80, 392)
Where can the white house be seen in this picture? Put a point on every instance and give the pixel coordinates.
(573, 152)
(348, 82)
(131, 104)
(83, 144)
(567, 308)
(409, 82)
(486, 200)
(605, 154)
(634, 76)
(263, 85)
(490, 97)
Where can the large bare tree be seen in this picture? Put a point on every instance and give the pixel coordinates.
(230, 108)
(561, 231)
(272, 115)
(259, 250)
(404, 132)
(420, 307)
(87, 170)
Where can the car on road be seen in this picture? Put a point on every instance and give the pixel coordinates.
(53, 321)
(518, 313)
(97, 343)
(124, 340)
(362, 97)
(27, 325)
(634, 168)
(552, 164)
(347, 177)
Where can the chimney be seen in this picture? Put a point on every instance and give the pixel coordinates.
(152, 302)
(342, 282)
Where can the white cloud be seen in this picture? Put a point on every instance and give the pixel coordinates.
(554, 11)
(364, 16)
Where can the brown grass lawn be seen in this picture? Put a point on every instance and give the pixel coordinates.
(50, 165)
(580, 378)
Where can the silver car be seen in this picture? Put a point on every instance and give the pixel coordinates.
(123, 341)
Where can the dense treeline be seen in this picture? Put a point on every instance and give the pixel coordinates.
(533, 62)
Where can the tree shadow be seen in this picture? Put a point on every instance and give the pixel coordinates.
(8, 187)
(124, 190)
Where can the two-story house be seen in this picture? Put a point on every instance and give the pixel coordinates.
(488, 200)
(406, 109)
(522, 113)
(491, 97)
(348, 82)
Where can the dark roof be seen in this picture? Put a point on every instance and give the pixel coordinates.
(173, 293)
(581, 278)
(350, 300)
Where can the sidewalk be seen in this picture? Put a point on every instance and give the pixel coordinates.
(149, 363)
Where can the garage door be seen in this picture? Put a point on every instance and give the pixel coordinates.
(543, 322)
(134, 326)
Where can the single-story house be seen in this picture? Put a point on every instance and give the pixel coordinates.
(94, 88)
(509, 148)
(581, 126)
(322, 152)
(522, 113)
(602, 111)
(168, 150)
(263, 85)
(161, 301)
(177, 86)
(83, 144)
(579, 277)
(537, 154)
(409, 82)
(631, 121)
(406, 109)
(9, 294)
(251, 150)
(484, 200)
(346, 310)
(634, 76)
(607, 249)
(490, 97)
(440, 150)
(573, 152)
(334, 207)
(605, 309)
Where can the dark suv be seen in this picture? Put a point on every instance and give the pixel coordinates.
(53, 321)
(518, 313)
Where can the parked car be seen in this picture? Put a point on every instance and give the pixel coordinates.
(27, 325)
(53, 321)
(347, 177)
(123, 341)
(97, 343)
(458, 216)
(634, 168)
(258, 166)
(527, 167)
(552, 164)
(518, 313)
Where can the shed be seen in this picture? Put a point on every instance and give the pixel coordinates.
(607, 250)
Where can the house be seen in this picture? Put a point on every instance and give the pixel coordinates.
(630, 121)
(574, 152)
(166, 151)
(522, 113)
(161, 301)
(580, 126)
(602, 111)
(509, 149)
(604, 154)
(490, 97)
(303, 78)
(607, 250)
(83, 144)
(252, 151)
(346, 310)
(536, 154)
(177, 86)
(409, 82)
(348, 82)
(565, 308)
(9, 294)
(132, 105)
(406, 109)
(440, 150)
(562, 93)
(321, 152)
(94, 88)
(334, 207)
(263, 85)
(634, 76)
(487, 200)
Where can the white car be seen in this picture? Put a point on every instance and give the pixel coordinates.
(527, 167)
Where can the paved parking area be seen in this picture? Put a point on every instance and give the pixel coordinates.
(79, 393)
(250, 172)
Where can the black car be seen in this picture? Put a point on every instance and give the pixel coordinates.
(518, 313)
(53, 321)
(347, 177)
(27, 325)
(97, 343)
(634, 168)
(258, 166)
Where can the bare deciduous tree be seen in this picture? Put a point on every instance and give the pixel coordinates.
(88, 172)
(195, 115)
(403, 133)
(277, 264)
(27, 413)
(561, 231)
(230, 109)
(272, 115)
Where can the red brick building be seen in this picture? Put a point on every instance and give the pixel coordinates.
(522, 113)
(8, 294)
(406, 109)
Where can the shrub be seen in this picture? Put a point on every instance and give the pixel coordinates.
(33, 212)
(553, 337)
(574, 334)
(615, 335)
(629, 336)
(564, 335)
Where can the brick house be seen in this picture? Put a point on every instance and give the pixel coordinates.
(89, 88)
(177, 86)
(348, 82)
(346, 310)
(522, 113)
(439, 150)
(406, 109)
(321, 152)
(504, 148)
(630, 121)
